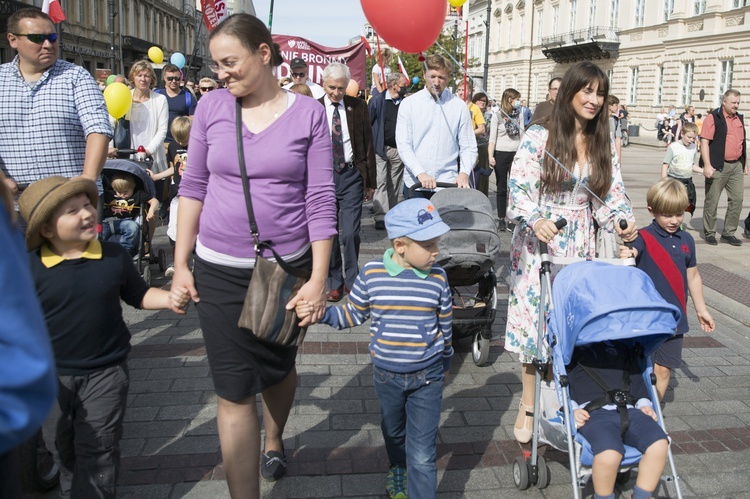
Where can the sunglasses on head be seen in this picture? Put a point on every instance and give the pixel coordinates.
(34, 38)
(206, 89)
(173, 78)
(298, 75)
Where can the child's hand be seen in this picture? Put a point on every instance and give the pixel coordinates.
(179, 299)
(707, 322)
(649, 411)
(626, 252)
(581, 416)
(150, 214)
(303, 309)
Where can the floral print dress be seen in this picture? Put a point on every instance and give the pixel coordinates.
(577, 239)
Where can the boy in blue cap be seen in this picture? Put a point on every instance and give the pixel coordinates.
(408, 297)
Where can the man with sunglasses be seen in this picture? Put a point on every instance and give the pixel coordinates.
(206, 85)
(299, 75)
(53, 120)
(181, 102)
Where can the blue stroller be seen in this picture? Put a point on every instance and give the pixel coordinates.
(593, 302)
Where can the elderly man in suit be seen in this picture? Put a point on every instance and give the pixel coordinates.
(354, 173)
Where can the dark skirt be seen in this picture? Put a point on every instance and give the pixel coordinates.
(241, 366)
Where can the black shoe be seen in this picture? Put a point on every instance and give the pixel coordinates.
(273, 465)
(711, 240)
(730, 240)
(501, 226)
(746, 233)
(379, 225)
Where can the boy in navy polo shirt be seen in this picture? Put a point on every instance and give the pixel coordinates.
(667, 254)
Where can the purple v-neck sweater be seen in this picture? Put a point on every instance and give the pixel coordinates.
(290, 170)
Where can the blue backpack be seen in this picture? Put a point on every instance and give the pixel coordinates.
(188, 96)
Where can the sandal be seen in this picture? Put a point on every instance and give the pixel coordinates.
(273, 465)
(523, 429)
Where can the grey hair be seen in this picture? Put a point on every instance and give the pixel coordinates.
(337, 71)
(393, 78)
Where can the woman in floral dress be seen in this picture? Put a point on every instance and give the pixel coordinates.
(542, 192)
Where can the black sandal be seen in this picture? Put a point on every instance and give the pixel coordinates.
(273, 466)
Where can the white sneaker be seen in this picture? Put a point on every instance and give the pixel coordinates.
(170, 271)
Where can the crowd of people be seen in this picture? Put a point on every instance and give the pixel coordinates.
(311, 155)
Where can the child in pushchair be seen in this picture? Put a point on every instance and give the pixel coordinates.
(124, 204)
(606, 323)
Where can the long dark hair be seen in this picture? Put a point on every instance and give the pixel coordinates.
(561, 141)
(250, 32)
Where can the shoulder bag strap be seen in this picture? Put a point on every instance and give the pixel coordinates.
(258, 244)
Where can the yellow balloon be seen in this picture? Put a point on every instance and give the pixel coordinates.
(118, 98)
(456, 3)
(157, 56)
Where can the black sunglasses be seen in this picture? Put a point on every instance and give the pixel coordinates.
(173, 78)
(33, 38)
(206, 89)
(298, 75)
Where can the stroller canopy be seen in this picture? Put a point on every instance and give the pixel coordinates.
(142, 178)
(596, 301)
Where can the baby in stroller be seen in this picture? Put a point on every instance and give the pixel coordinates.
(123, 204)
(611, 408)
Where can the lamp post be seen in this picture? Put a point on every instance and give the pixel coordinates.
(487, 44)
(112, 14)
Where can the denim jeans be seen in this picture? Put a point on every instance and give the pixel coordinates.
(126, 228)
(410, 409)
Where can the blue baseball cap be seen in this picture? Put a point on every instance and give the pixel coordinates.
(417, 219)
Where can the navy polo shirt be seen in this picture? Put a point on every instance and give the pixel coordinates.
(681, 247)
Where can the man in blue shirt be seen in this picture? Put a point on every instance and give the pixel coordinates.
(181, 102)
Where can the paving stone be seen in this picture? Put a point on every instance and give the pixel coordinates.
(153, 363)
(152, 491)
(140, 414)
(180, 445)
(148, 429)
(150, 386)
(301, 487)
(179, 372)
(181, 412)
(200, 490)
(332, 381)
(341, 438)
(169, 398)
(192, 384)
(310, 422)
(131, 446)
(355, 422)
(715, 421)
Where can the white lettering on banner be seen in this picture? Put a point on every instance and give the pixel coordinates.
(313, 58)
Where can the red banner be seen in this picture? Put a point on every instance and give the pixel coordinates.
(214, 11)
(319, 56)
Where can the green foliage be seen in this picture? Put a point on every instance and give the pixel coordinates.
(416, 68)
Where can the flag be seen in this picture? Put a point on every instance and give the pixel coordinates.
(368, 48)
(54, 10)
(402, 68)
(214, 11)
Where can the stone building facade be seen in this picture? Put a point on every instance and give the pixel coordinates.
(657, 53)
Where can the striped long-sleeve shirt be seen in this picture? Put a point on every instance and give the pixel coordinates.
(411, 313)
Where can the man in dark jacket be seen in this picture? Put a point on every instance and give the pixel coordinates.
(383, 109)
(724, 160)
(354, 173)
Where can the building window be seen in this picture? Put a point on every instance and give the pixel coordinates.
(522, 38)
(555, 19)
(640, 7)
(687, 83)
(510, 32)
(700, 7)
(499, 32)
(659, 85)
(573, 8)
(615, 7)
(737, 4)
(610, 74)
(633, 86)
(81, 17)
(668, 7)
(539, 25)
(727, 69)
(592, 14)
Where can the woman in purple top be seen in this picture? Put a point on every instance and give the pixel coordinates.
(288, 157)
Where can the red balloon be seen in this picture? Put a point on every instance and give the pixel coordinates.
(410, 26)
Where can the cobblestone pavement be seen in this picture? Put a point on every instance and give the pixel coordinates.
(333, 439)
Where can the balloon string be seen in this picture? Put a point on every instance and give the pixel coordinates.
(537, 141)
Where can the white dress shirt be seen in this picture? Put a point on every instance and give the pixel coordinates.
(348, 154)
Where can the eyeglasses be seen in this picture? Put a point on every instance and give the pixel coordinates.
(206, 89)
(173, 78)
(299, 75)
(39, 39)
(215, 67)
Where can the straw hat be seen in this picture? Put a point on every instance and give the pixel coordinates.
(40, 200)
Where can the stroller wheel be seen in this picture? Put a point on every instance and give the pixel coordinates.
(162, 259)
(147, 274)
(480, 350)
(543, 474)
(521, 474)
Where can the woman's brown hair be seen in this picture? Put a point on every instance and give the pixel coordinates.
(561, 141)
(506, 104)
(250, 32)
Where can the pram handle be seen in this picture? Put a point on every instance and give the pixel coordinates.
(418, 185)
(623, 226)
(126, 153)
(559, 224)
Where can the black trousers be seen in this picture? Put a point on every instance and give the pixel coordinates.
(349, 198)
(503, 161)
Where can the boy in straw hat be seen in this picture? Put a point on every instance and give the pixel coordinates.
(408, 297)
(80, 282)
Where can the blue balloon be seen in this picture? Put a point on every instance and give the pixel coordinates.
(415, 80)
(178, 60)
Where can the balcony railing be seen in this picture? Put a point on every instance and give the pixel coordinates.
(592, 34)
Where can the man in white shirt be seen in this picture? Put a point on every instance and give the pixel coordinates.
(299, 75)
(434, 133)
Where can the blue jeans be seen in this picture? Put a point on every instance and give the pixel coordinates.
(410, 410)
(126, 228)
